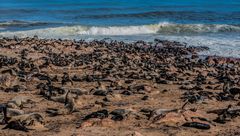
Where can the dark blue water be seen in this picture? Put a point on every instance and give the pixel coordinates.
(213, 23)
(121, 12)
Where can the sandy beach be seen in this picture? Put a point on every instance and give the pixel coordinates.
(112, 88)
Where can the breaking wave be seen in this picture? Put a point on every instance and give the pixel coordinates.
(223, 40)
(161, 28)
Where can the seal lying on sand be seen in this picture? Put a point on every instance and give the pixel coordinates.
(3, 109)
(21, 122)
(19, 101)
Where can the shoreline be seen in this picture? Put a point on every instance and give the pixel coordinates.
(116, 88)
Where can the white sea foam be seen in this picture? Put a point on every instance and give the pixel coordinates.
(220, 45)
(216, 39)
(161, 28)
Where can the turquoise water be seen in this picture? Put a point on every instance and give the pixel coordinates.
(212, 23)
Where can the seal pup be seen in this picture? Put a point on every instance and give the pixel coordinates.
(68, 99)
(19, 101)
(66, 79)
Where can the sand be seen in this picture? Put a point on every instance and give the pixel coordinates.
(138, 78)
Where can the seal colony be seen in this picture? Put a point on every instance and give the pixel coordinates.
(68, 87)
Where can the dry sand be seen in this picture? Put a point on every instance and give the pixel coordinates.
(134, 77)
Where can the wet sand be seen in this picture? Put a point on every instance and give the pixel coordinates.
(80, 88)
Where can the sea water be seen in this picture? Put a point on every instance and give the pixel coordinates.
(211, 23)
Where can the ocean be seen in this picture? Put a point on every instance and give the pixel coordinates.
(211, 23)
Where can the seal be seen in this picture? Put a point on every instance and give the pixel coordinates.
(67, 99)
(3, 109)
(19, 101)
(21, 122)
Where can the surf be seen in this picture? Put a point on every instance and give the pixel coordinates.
(160, 28)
